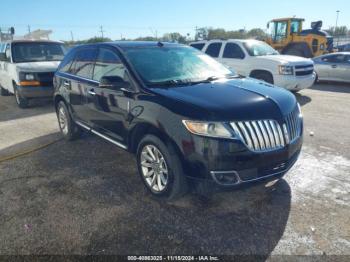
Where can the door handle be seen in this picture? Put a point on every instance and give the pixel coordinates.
(91, 92)
(66, 83)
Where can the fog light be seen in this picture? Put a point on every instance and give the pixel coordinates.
(225, 177)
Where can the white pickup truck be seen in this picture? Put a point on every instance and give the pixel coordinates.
(258, 60)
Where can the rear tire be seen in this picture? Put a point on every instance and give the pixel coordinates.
(161, 169)
(266, 77)
(3, 91)
(21, 101)
(68, 128)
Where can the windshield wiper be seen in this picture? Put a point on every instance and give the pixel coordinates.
(167, 83)
(207, 80)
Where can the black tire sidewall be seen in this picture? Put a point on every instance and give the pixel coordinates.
(172, 188)
(71, 125)
(264, 77)
(23, 102)
(3, 91)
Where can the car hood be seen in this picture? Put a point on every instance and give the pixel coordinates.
(46, 66)
(234, 99)
(285, 59)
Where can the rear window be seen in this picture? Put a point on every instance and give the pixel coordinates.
(214, 49)
(198, 46)
(37, 52)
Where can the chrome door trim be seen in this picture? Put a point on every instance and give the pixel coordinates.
(102, 136)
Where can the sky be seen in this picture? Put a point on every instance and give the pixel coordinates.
(132, 18)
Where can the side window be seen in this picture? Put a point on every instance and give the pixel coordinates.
(334, 59)
(347, 59)
(67, 62)
(214, 49)
(108, 63)
(198, 46)
(84, 63)
(233, 51)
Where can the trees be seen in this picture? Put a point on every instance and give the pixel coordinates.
(339, 31)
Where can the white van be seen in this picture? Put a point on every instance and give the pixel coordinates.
(27, 68)
(258, 60)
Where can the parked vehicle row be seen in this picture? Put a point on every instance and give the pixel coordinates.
(189, 119)
(258, 60)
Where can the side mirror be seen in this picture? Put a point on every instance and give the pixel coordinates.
(3, 57)
(114, 83)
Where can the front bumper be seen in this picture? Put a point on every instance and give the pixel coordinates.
(294, 83)
(36, 91)
(210, 158)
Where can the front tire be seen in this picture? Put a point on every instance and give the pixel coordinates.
(160, 169)
(266, 77)
(68, 128)
(3, 91)
(21, 101)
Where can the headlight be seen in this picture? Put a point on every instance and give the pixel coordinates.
(285, 70)
(30, 77)
(211, 129)
(26, 76)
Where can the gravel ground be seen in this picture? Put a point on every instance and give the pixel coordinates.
(85, 197)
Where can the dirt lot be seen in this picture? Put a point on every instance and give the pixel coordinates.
(85, 197)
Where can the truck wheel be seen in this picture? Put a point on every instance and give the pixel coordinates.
(263, 76)
(160, 169)
(68, 128)
(22, 102)
(3, 91)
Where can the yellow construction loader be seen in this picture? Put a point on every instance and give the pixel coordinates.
(288, 37)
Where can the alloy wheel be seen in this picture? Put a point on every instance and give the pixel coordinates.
(154, 168)
(63, 120)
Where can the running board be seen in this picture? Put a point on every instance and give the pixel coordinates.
(101, 135)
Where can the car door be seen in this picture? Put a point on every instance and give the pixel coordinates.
(111, 105)
(344, 69)
(80, 83)
(334, 67)
(322, 67)
(233, 57)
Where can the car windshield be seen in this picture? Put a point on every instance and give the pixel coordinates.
(37, 52)
(257, 48)
(176, 65)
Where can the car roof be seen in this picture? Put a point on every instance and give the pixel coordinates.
(133, 44)
(336, 53)
(224, 40)
(34, 41)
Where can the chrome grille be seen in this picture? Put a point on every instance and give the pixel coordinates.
(268, 135)
(260, 135)
(303, 70)
(293, 124)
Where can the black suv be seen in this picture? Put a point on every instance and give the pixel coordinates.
(185, 116)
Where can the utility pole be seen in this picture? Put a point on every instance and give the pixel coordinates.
(29, 29)
(101, 30)
(71, 34)
(336, 26)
